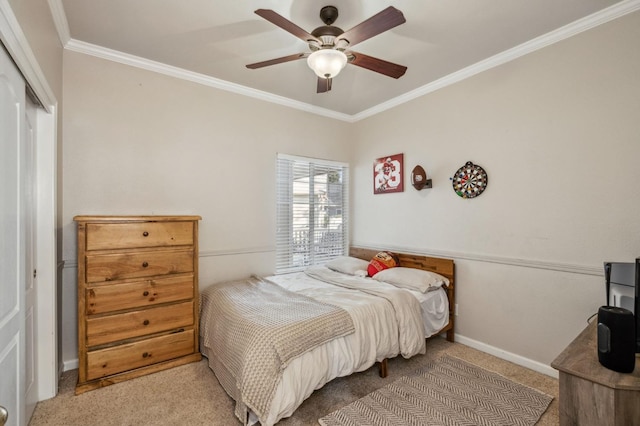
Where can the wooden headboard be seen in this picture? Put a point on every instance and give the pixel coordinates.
(444, 267)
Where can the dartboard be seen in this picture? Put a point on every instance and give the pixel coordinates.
(470, 180)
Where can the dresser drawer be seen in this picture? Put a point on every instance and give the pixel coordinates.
(105, 362)
(138, 294)
(107, 236)
(113, 328)
(117, 266)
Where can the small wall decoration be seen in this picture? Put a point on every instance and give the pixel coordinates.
(419, 178)
(470, 180)
(387, 174)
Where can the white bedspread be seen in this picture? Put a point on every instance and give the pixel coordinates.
(405, 306)
(377, 336)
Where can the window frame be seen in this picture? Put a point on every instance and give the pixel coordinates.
(327, 234)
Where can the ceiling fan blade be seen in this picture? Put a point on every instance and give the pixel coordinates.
(286, 25)
(379, 23)
(277, 60)
(378, 65)
(324, 85)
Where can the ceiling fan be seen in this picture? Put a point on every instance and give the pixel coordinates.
(330, 45)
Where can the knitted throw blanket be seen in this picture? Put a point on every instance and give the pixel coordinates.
(255, 327)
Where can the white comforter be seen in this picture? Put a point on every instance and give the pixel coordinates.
(381, 331)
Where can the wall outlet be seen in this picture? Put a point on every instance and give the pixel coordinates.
(456, 313)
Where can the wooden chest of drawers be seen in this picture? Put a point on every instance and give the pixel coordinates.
(137, 296)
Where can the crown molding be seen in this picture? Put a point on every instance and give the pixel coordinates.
(606, 15)
(60, 21)
(158, 67)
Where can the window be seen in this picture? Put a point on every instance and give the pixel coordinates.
(312, 212)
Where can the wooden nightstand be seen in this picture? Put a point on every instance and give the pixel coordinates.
(591, 394)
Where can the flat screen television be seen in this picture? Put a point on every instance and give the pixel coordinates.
(623, 289)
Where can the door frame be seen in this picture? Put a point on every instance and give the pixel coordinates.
(47, 356)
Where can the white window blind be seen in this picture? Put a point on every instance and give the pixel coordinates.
(312, 212)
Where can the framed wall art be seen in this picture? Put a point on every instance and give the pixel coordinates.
(388, 174)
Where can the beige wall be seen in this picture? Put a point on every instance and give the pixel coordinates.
(558, 134)
(556, 131)
(138, 142)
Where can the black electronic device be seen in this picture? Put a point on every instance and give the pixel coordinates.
(607, 277)
(637, 305)
(616, 339)
(623, 291)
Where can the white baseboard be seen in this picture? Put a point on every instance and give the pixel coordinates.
(508, 356)
(71, 364)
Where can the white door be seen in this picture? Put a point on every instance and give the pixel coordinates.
(30, 273)
(12, 243)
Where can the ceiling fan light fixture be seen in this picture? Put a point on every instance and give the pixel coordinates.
(327, 63)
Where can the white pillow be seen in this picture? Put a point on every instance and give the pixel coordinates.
(412, 279)
(348, 265)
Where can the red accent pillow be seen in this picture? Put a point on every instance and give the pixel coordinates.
(382, 260)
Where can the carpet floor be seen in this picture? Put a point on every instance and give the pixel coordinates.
(191, 395)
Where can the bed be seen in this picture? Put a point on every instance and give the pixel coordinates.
(272, 341)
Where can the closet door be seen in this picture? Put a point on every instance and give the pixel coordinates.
(12, 243)
(30, 283)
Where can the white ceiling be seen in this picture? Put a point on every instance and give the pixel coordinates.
(211, 41)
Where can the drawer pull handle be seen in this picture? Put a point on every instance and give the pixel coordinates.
(145, 234)
(145, 322)
(145, 264)
(146, 355)
(145, 294)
